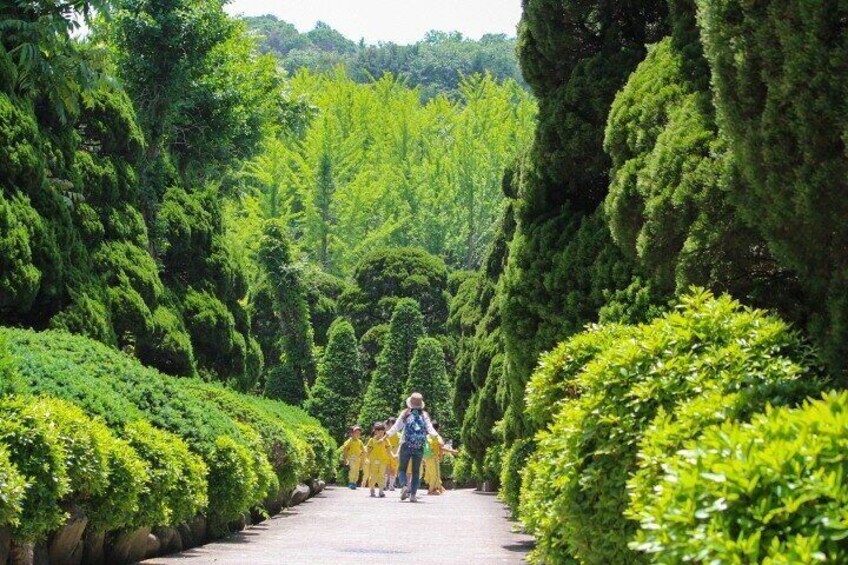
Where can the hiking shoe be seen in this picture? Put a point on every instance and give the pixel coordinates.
(404, 494)
(351, 486)
(413, 498)
(382, 494)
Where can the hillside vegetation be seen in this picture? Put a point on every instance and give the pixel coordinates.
(437, 64)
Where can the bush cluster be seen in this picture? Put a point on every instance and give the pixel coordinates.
(625, 401)
(772, 491)
(86, 426)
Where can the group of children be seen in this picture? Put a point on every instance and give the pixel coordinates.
(377, 460)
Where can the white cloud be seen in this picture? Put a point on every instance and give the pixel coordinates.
(400, 21)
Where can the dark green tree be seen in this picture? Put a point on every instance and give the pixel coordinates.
(389, 378)
(388, 275)
(669, 203)
(336, 397)
(779, 78)
(428, 375)
(288, 377)
(575, 54)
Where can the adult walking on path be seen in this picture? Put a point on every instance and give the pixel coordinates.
(415, 424)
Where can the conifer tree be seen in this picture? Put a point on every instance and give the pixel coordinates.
(428, 375)
(390, 376)
(338, 390)
(289, 379)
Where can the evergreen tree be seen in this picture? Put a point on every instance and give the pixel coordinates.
(575, 55)
(428, 375)
(392, 372)
(336, 397)
(779, 79)
(288, 380)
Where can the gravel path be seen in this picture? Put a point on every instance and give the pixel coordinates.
(341, 526)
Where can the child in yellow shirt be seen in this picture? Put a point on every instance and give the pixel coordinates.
(394, 444)
(352, 451)
(433, 463)
(379, 458)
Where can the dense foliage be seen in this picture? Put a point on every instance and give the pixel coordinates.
(291, 365)
(387, 275)
(779, 76)
(772, 491)
(374, 166)
(628, 401)
(437, 64)
(387, 385)
(337, 395)
(133, 447)
(427, 375)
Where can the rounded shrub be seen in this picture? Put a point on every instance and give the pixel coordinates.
(654, 381)
(267, 484)
(35, 449)
(86, 443)
(117, 505)
(176, 478)
(232, 483)
(772, 491)
(555, 379)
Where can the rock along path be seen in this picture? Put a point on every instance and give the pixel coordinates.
(342, 526)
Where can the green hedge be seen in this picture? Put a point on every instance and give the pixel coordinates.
(175, 481)
(651, 390)
(36, 451)
(773, 491)
(92, 427)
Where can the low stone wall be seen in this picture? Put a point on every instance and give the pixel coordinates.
(76, 544)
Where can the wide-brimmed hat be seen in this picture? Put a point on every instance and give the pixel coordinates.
(415, 400)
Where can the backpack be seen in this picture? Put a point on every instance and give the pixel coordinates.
(414, 430)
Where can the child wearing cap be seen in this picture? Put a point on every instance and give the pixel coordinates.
(352, 451)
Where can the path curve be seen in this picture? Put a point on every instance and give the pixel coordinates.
(341, 526)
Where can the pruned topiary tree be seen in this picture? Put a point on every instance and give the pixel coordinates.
(336, 397)
(287, 380)
(427, 375)
(390, 376)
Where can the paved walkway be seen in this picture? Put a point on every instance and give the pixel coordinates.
(341, 526)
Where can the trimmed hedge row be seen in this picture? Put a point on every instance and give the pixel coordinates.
(86, 426)
(618, 403)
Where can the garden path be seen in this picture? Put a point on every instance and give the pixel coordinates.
(340, 527)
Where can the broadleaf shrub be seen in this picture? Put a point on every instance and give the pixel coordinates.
(37, 452)
(773, 491)
(163, 445)
(575, 496)
(12, 489)
(232, 483)
(176, 486)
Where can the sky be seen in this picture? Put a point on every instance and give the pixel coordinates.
(399, 21)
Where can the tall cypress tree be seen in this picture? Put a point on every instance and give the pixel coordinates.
(336, 397)
(288, 380)
(779, 79)
(576, 55)
(428, 375)
(390, 376)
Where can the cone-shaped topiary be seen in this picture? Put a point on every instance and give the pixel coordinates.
(390, 376)
(288, 380)
(336, 397)
(427, 375)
